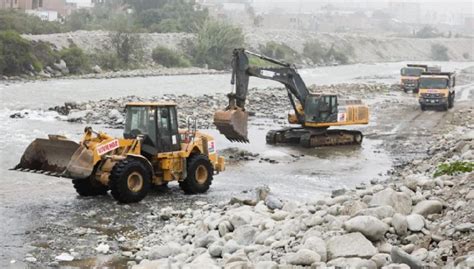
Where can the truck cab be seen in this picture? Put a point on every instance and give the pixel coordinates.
(410, 76)
(437, 89)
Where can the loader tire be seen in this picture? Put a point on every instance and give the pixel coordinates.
(89, 187)
(130, 181)
(199, 175)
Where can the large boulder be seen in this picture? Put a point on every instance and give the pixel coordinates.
(401, 202)
(373, 228)
(165, 251)
(317, 245)
(350, 245)
(428, 207)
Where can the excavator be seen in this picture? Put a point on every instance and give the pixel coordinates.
(314, 113)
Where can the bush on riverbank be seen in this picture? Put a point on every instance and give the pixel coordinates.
(214, 45)
(169, 58)
(439, 52)
(280, 51)
(76, 60)
(321, 55)
(27, 24)
(16, 55)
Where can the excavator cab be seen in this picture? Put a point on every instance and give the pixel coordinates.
(320, 108)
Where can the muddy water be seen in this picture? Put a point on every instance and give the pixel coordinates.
(32, 206)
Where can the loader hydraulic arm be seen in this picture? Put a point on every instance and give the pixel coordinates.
(278, 71)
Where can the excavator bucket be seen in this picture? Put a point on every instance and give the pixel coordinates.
(232, 123)
(48, 156)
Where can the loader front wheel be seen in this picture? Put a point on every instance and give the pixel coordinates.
(199, 175)
(130, 181)
(89, 187)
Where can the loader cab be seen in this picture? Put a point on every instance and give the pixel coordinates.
(321, 108)
(157, 123)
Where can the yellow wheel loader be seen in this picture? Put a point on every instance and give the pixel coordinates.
(314, 113)
(153, 152)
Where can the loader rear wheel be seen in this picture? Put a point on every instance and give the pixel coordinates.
(130, 181)
(200, 172)
(89, 187)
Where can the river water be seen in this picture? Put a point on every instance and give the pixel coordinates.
(27, 200)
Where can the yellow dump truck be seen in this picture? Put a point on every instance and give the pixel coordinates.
(410, 76)
(437, 90)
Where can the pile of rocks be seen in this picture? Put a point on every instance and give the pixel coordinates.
(412, 221)
(270, 104)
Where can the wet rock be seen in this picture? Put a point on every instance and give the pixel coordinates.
(224, 228)
(427, 207)
(317, 245)
(399, 201)
(371, 227)
(273, 202)
(30, 259)
(62, 67)
(400, 224)
(415, 222)
(304, 257)
(96, 69)
(400, 256)
(350, 245)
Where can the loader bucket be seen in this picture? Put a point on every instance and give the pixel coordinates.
(48, 156)
(232, 123)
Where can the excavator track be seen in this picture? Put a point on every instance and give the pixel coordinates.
(314, 138)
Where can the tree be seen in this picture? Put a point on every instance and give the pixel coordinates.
(79, 19)
(169, 58)
(76, 61)
(214, 44)
(439, 52)
(126, 44)
(314, 51)
(427, 32)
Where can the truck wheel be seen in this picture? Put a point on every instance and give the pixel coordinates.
(130, 181)
(89, 187)
(451, 101)
(423, 107)
(199, 177)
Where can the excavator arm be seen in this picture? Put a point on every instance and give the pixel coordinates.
(232, 122)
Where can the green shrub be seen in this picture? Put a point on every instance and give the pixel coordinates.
(428, 32)
(214, 45)
(439, 52)
(106, 59)
(17, 54)
(334, 55)
(314, 51)
(169, 58)
(280, 51)
(453, 168)
(44, 53)
(76, 60)
(27, 24)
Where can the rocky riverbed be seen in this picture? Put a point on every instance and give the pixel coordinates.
(270, 104)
